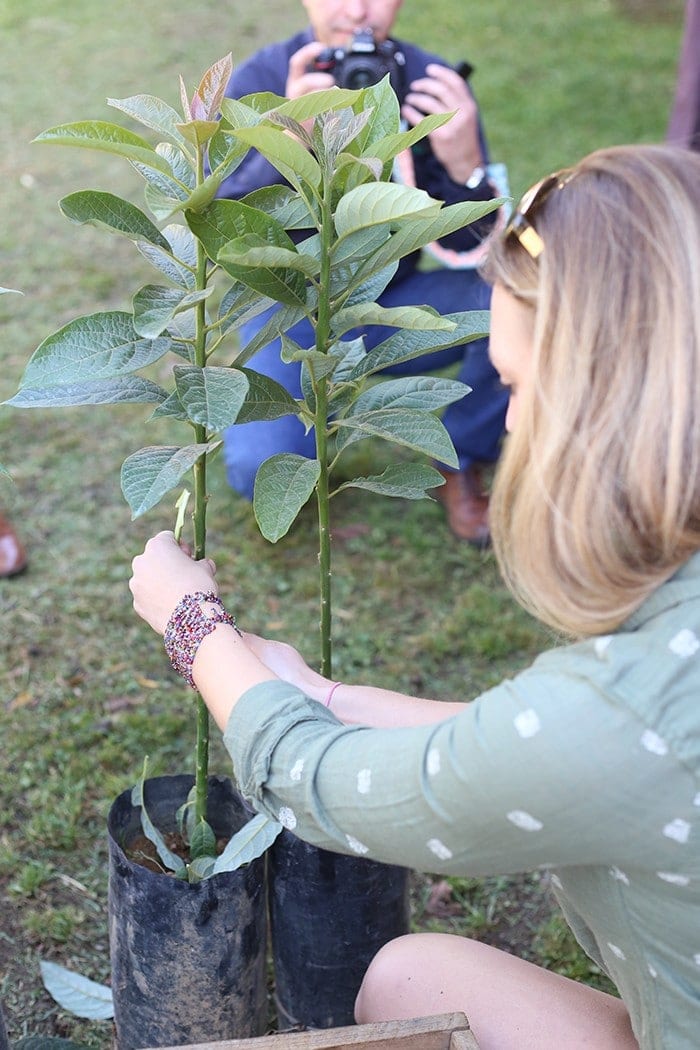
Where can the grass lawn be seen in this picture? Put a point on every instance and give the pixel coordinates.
(85, 690)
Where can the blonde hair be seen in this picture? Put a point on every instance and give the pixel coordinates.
(597, 496)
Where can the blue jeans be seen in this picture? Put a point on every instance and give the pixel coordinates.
(475, 422)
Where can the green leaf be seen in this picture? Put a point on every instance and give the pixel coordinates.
(310, 105)
(225, 152)
(110, 212)
(406, 345)
(153, 113)
(77, 994)
(279, 322)
(97, 346)
(211, 396)
(172, 408)
(240, 304)
(285, 285)
(387, 148)
(380, 202)
(101, 135)
(402, 480)
(418, 430)
(203, 841)
(247, 844)
(199, 869)
(229, 220)
(198, 132)
(360, 245)
(416, 318)
(186, 813)
(348, 354)
(384, 120)
(207, 99)
(247, 111)
(168, 858)
(288, 156)
(266, 257)
(283, 485)
(429, 393)
(156, 306)
(177, 262)
(283, 204)
(148, 474)
(370, 289)
(126, 390)
(266, 399)
(410, 236)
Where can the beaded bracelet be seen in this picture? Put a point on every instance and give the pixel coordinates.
(188, 626)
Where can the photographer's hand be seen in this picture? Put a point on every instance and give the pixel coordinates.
(456, 144)
(301, 80)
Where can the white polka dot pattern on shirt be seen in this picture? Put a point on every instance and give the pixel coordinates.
(433, 762)
(524, 821)
(677, 829)
(355, 845)
(696, 959)
(653, 743)
(287, 818)
(652, 971)
(684, 644)
(696, 800)
(601, 644)
(439, 848)
(527, 723)
(674, 878)
(296, 770)
(617, 952)
(364, 781)
(619, 875)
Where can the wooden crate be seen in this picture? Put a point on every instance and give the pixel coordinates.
(442, 1032)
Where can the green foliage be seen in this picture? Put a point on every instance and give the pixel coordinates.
(360, 225)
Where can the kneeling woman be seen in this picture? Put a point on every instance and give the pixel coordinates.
(588, 762)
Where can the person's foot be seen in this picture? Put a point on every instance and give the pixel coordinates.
(466, 506)
(12, 556)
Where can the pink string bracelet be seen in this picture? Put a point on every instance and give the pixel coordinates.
(327, 701)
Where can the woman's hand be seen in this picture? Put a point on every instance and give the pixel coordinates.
(284, 661)
(164, 574)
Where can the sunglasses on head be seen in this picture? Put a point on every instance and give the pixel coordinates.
(520, 225)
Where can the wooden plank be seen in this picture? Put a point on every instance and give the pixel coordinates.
(419, 1033)
(463, 1040)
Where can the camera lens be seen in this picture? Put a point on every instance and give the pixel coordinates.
(361, 77)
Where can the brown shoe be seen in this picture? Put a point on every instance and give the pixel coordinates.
(466, 506)
(12, 557)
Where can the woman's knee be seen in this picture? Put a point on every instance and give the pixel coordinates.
(386, 987)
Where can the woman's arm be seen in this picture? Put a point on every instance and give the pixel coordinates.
(227, 664)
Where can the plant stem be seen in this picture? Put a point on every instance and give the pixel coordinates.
(199, 518)
(321, 430)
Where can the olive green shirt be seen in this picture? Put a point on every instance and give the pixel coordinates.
(585, 764)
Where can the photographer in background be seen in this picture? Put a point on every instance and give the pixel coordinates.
(348, 43)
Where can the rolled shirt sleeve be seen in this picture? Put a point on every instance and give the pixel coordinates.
(544, 770)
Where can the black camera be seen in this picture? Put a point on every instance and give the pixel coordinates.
(364, 63)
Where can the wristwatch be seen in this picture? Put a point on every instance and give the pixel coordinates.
(476, 178)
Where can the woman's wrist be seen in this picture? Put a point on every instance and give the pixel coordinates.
(193, 618)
